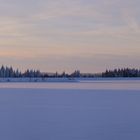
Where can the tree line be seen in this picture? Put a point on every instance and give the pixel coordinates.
(125, 72)
(9, 72)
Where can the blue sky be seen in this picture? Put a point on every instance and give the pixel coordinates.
(57, 35)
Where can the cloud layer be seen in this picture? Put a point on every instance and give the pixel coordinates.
(90, 35)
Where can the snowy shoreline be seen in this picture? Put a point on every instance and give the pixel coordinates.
(66, 79)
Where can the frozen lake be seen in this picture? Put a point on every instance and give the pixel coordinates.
(89, 110)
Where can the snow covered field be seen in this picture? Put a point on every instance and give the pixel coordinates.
(87, 110)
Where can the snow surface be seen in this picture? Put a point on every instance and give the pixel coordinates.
(102, 110)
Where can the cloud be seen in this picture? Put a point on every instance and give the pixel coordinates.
(76, 29)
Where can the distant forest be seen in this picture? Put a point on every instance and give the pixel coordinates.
(9, 72)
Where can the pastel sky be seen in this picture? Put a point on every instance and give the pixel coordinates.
(57, 35)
